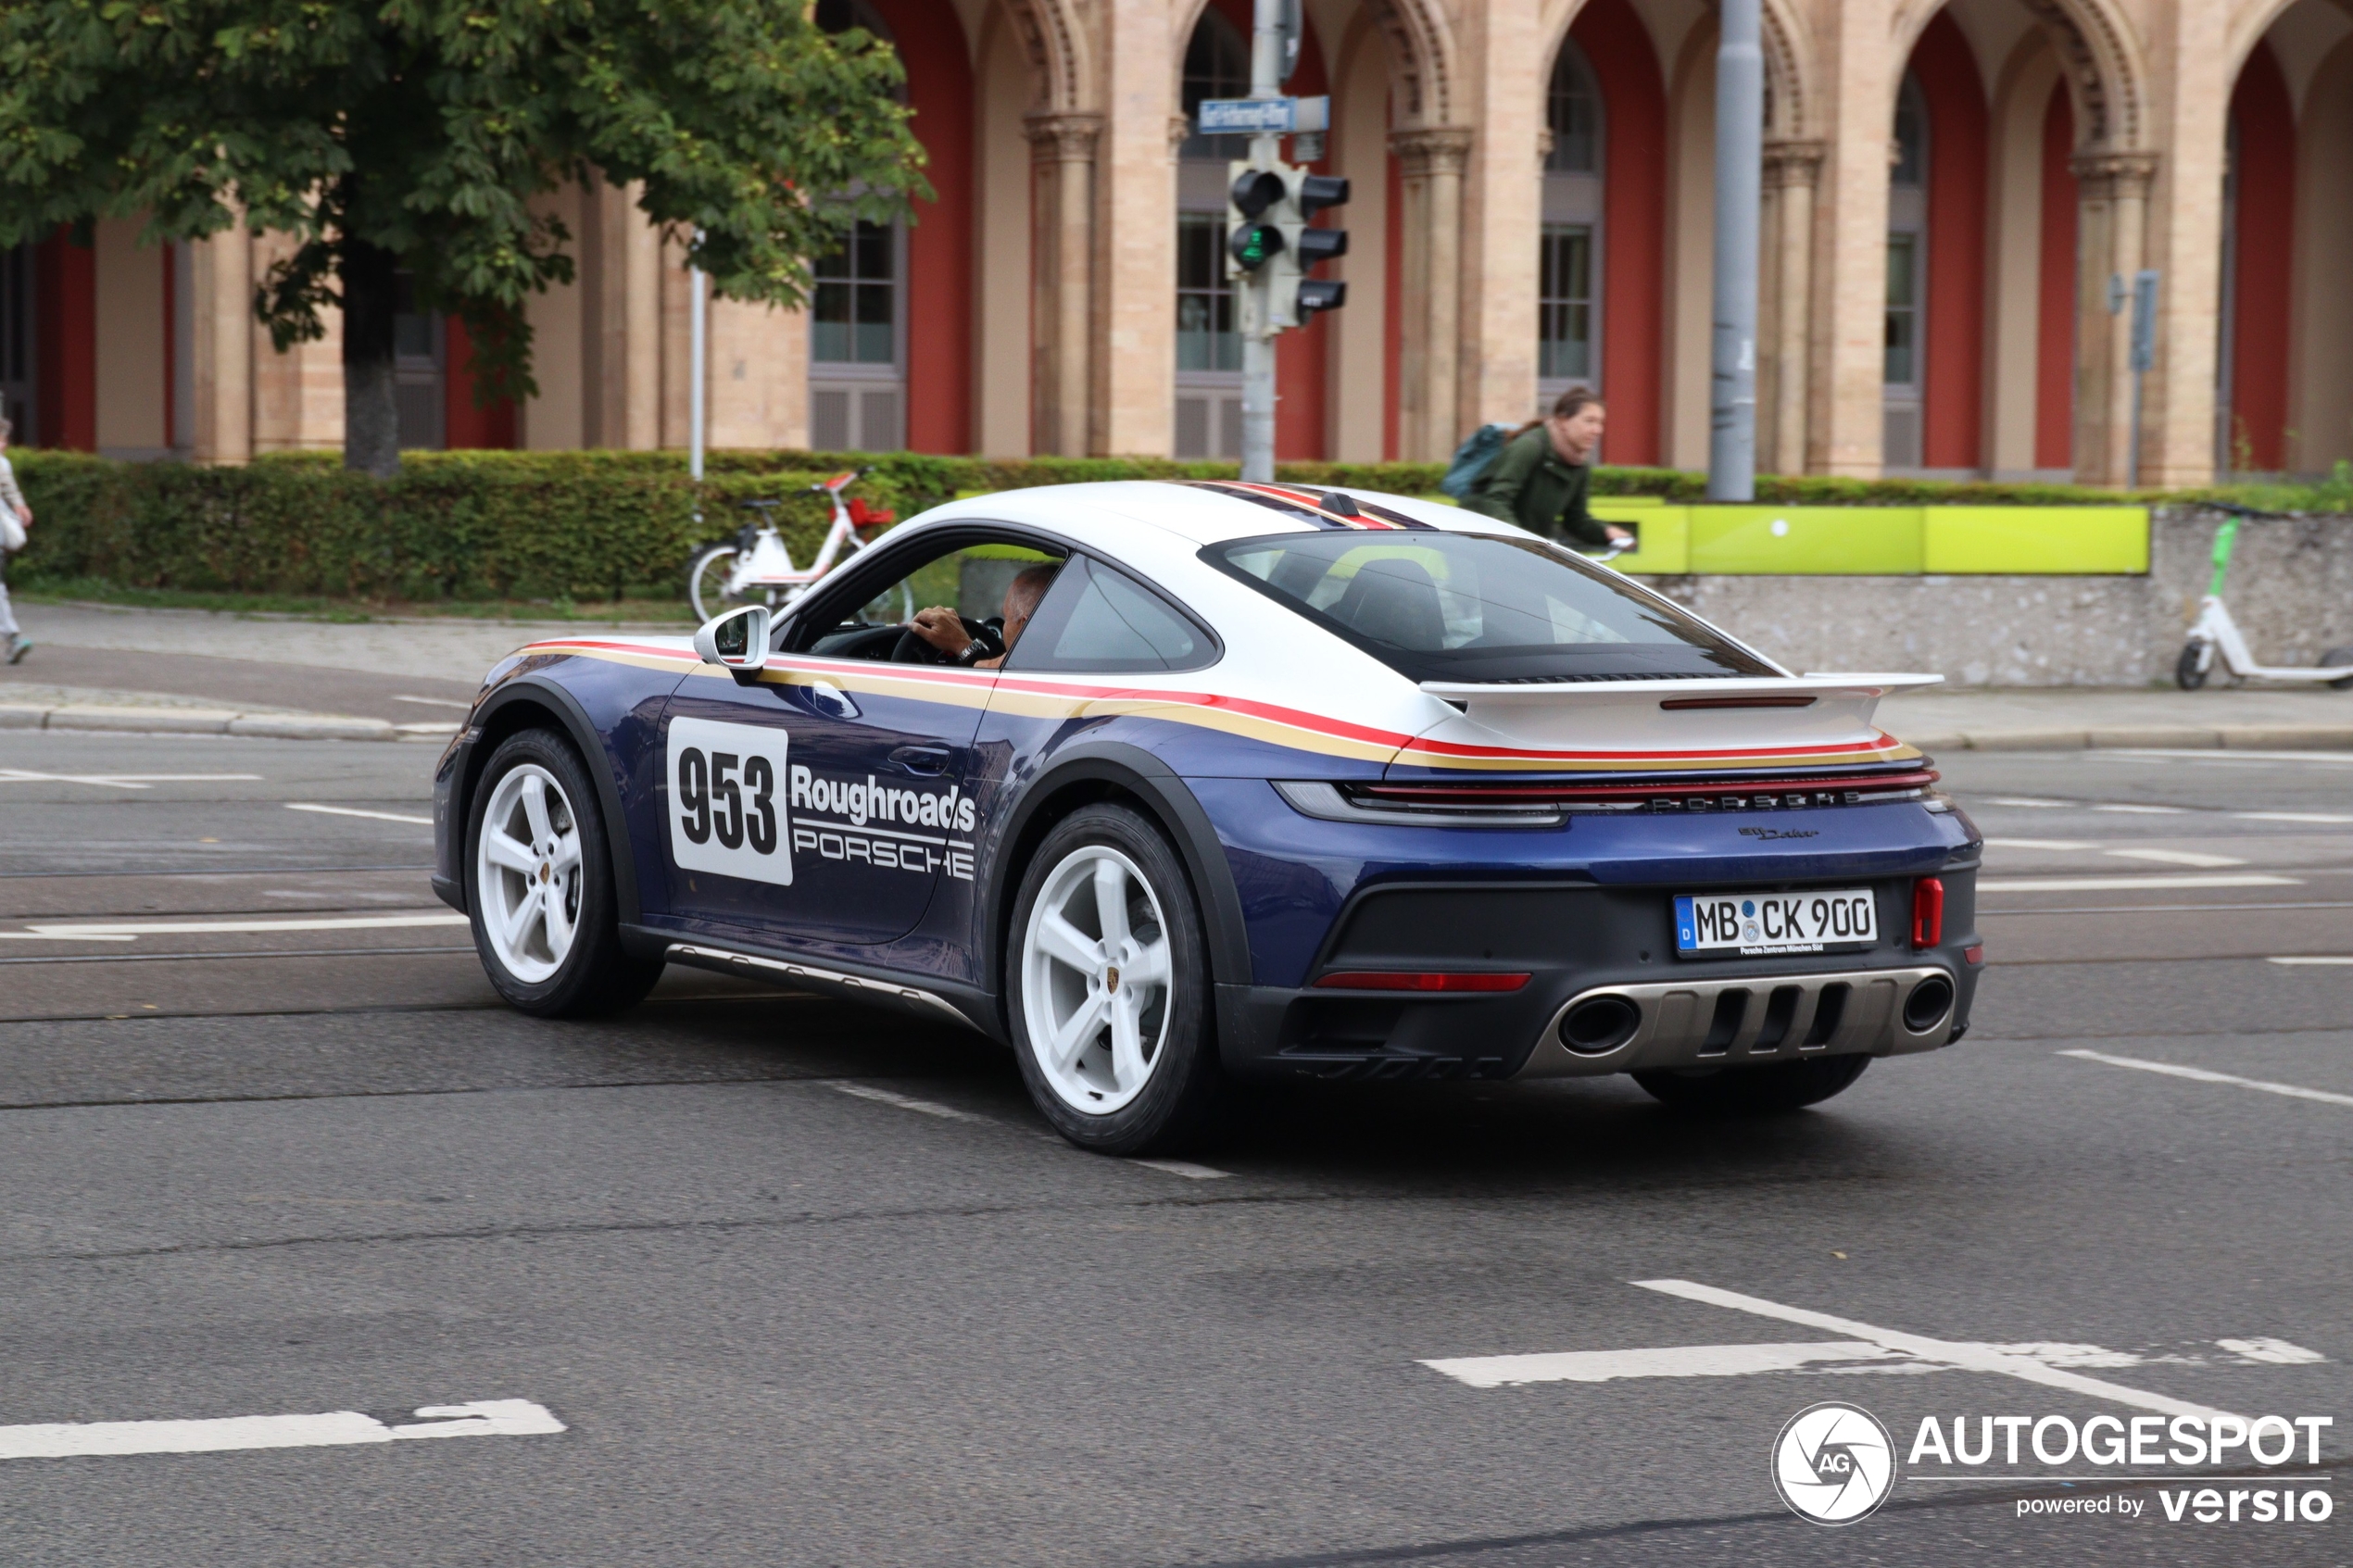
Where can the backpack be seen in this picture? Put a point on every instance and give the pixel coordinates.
(1474, 458)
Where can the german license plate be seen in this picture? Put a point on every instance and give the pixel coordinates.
(1756, 924)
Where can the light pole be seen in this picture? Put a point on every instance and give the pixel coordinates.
(1256, 288)
(1740, 156)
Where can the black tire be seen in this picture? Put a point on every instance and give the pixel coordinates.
(2187, 674)
(595, 976)
(1184, 1083)
(2338, 659)
(1777, 1086)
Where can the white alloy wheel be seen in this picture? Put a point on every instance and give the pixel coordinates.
(527, 869)
(1095, 981)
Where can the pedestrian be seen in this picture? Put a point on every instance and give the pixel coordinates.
(13, 498)
(1543, 474)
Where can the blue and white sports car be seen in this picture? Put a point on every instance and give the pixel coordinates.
(1169, 786)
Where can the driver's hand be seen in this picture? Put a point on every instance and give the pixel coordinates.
(942, 628)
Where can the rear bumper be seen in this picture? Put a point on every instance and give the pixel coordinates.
(1728, 1020)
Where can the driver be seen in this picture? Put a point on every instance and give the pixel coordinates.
(944, 629)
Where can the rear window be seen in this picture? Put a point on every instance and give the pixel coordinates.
(1474, 607)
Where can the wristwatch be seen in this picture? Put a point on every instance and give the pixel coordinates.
(974, 652)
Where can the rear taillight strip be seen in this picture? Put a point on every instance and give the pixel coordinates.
(1802, 788)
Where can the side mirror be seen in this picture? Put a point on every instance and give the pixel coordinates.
(737, 640)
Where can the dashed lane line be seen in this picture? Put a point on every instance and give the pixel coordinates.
(2176, 857)
(907, 1102)
(2126, 883)
(107, 1439)
(122, 781)
(354, 811)
(2147, 810)
(1673, 1361)
(2205, 1076)
(2311, 959)
(102, 930)
(1184, 1168)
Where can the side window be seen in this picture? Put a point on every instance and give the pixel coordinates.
(865, 616)
(1096, 619)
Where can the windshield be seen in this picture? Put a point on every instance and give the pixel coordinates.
(1471, 607)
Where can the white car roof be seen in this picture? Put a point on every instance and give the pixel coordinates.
(1208, 512)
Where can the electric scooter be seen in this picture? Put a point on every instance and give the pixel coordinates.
(2216, 633)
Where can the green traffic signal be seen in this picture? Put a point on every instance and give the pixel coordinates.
(1254, 245)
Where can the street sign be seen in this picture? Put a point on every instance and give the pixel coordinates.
(1262, 117)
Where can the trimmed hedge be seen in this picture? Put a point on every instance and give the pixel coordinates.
(486, 525)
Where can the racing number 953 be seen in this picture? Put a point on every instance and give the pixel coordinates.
(733, 796)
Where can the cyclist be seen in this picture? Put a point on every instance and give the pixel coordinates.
(1541, 477)
(16, 645)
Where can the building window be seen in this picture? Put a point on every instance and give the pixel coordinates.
(16, 362)
(1900, 363)
(1573, 114)
(1209, 350)
(1569, 261)
(858, 312)
(854, 319)
(1901, 356)
(1216, 65)
(420, 383)
(1565, 304)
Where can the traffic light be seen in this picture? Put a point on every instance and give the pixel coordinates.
(1297, 296)
(1250, 242)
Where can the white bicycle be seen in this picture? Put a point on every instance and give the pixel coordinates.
(756, 567)
(2215, 637)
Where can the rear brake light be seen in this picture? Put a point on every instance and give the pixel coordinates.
(1928, 912)
(1974, 954)
(1412, 980)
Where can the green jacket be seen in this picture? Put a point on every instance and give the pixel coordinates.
(1528, 485)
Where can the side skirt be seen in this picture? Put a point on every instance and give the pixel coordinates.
(941, 1003)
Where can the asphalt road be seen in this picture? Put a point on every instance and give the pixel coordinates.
(808, 1284)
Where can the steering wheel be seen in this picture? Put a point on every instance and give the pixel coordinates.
(912, 649)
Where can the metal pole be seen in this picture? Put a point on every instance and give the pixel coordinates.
(695, 359)
(1258, 332)
(1740, 160)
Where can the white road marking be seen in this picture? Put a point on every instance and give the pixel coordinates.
(2120, 883)
(2338, 757)
(2291, 817)
(2147, 810)
(2200, 1074)
(43, 937)
(2040, 843)
(1184, 1168)
(435, 702)
(122, 781)
(1674, 1361)
(2311, 959)
(905, 1102)
(483, 1418)
(2176, 857)
(352, 811)
(1966, 1356)
(2278, 1352)
(2022, 800)
(167, 928)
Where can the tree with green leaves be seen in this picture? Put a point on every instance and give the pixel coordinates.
(411, 136)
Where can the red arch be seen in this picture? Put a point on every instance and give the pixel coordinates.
(939, 242)
(1953, 397)
(2055, 302)
(65, 390)
(1633, 223)
(2266, 171)
(464, 423)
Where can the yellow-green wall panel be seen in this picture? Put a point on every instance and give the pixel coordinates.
(2076, 541)
(1807, 541)
(1663, 535)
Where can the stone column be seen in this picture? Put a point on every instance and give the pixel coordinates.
(2112, 194)
(222, 287)
(1501, 90)
(1062, 207)
(1786, 303)
(1132, 362)
(1431, 163)
(1845, 382)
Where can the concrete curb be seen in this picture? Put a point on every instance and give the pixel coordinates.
(216, 722)
(2186, 737)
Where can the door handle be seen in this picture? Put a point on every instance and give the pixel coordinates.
(927, 761)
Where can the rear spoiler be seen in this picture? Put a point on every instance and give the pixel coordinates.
(1726, 691)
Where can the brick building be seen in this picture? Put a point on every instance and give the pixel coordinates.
(1949, 189)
